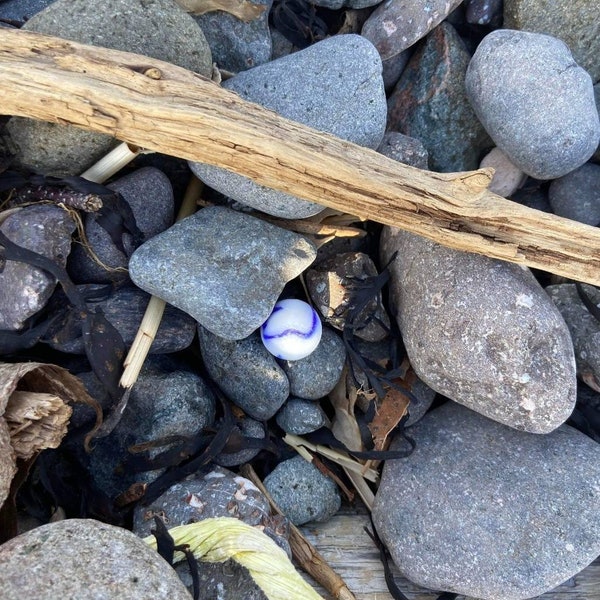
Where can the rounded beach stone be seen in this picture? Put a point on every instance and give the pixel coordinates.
(334, 86)
(246, 372)
(225, 268)
(156, 28)
(25, 289)
(534, 101)
(482, 332)
(429, 103)
(86, 559)
(487, 511)
(300, 416)
(577, 195)
(316, 375)
(248, 428)
(507, 178)
(302, 492)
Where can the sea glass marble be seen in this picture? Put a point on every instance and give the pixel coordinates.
(292, 331)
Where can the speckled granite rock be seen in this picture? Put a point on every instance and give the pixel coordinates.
(246, 372)
(334, 86)
(86, 559)
(535, 102)
(156, 28)
(583, 326)
(489, 512)
(429, 103)
(24, 289)
(575, 22)
(302, 492)
(149, 194)
(225, 268)
(299, 416)
(482, 332)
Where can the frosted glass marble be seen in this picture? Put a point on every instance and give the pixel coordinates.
(292, 331)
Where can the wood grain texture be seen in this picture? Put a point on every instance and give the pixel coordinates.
(349, 550)
(158, 106)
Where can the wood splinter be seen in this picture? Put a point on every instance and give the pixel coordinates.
(185, 115)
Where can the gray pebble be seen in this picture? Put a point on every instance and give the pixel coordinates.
(404, 149)
(22, 10)
(486, 511)
(124, 309)
(84, 558)
(246, 372)
(482, 332)
(24, 289)
(224, 268)
(150, 196)
(164, 402)
(237, 45)
(334, 86)
(302, 492)
(299, 416)
(534, 101)
(248, 428)
(577, 195)
(157, 28)
(316, 375)
(583, 326)
(484, 12)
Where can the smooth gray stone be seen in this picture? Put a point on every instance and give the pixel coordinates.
(534, 101)
(583, 326)
(334, 86)
(84, 558)
(248, 428)
(156, 28)
(299, 416)
(482, 332)
(302, 492)
(22, 10)
(315, 376)
(576, 195)
(225, 268)
(489, 512)
(484, 12)
(24, 289)
(247, 373)
(237, 45)
(124, 309)
(149, 193)
(164, 402)
(404, 149)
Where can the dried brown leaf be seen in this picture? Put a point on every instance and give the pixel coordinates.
(390, 412)
(242, 9)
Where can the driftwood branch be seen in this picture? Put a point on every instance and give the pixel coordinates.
(155, 105)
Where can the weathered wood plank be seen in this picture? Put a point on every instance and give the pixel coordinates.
(348, 549)
(158, 106)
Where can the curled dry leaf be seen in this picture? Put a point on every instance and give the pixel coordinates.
(345, 427)
(242, 9)
(390, 412)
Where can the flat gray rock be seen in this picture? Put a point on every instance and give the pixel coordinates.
(84, 558)
(535, 102)
(334, 86)
(247, 373)
(583, 326)
(489, 512)
(482, 332)
(576, 195)
(149, 194)
(302, 492)
(156, 28)
(24, 289)
(315, 376)
(225, 268)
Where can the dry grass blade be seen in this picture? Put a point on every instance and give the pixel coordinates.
(112, 163)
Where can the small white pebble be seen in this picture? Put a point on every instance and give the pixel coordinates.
(293, 330)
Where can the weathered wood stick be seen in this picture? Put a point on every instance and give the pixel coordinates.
(158, 106)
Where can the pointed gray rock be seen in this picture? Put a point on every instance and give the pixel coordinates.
(334, 86)
(482, 332)
(225, 268)
(489, 512)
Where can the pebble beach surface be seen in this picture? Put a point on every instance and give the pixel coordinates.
(500, 499)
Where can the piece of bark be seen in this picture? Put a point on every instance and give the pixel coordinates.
(158, 106)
